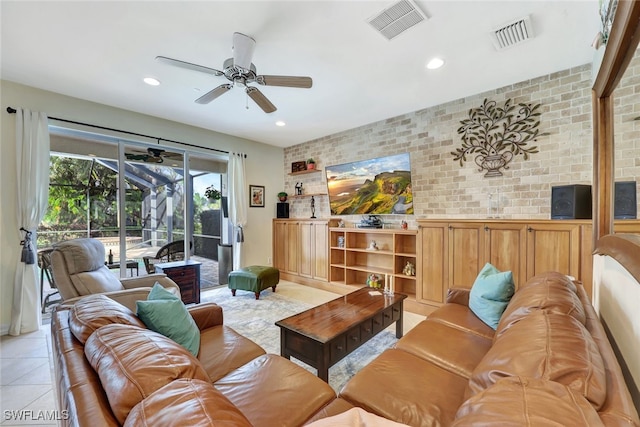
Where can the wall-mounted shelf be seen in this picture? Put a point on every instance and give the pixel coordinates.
(301, 196)
(305, 172)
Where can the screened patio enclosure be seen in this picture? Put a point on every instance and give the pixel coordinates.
(159, 205)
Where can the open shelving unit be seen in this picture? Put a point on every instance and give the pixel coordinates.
(304, 172)
(352, 262)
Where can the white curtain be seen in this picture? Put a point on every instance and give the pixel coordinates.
(32, 186)
(238, 204)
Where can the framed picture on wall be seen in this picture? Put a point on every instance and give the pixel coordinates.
(256, 196)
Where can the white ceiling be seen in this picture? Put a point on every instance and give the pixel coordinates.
(100, 51)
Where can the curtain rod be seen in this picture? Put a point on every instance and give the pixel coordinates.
(12, 110)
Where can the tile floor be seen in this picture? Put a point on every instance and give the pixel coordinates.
(27, 396)
(26, 392)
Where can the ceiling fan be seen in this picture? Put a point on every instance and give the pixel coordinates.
(239, 70)
(152, 155)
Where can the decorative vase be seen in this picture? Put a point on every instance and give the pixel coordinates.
(493, 163)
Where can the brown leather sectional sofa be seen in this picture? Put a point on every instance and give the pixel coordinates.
(548, 360)
(110, 371)
(548, 363)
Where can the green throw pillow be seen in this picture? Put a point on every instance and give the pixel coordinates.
(490, 294)
(165, 313)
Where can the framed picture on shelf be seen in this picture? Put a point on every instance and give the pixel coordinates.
(298, 166)
(256, 196)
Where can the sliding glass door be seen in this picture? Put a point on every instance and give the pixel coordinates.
(136, 198)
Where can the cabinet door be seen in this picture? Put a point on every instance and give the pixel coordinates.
(292, 247)
(466, 253)
(279, 245)
(306, 249)
(321, 250)
(432, 253)
(505, 247)
(553, 247)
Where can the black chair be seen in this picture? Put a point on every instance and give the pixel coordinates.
(172, 251)
(44, 263)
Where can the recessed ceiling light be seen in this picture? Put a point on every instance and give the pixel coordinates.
(151, 81)
(435, 63)
(280, 123)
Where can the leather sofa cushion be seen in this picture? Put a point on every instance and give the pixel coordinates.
(461, 317)
(222, 350)
(94, 311)
(550, 276)
(132, 363)
(407, 389)
(336, 407)
(450, 348)
(517, 401)
(186, 402)
(272, 391)
(546, 292)
(550, 346)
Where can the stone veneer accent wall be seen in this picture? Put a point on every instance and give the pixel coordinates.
(442, 189)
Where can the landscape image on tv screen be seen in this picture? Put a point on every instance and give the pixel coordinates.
(375, 187)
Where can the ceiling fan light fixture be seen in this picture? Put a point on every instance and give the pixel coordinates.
(280, 123)
(239, 71)
(435, 63)
(151, 81)
(243, 47)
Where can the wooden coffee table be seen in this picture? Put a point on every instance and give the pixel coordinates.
(323, 335)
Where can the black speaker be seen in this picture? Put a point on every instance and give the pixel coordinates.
(571, 202)
(282, 210)
(624, 204)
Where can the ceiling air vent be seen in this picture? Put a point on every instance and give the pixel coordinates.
(397, 18)
(512, 33)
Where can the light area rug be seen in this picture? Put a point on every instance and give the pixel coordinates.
(255, 319)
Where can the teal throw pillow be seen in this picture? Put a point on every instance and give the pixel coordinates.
(490, 294)
(159, 292)
(168, 316)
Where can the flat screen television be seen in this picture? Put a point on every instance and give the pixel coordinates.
(371, 187)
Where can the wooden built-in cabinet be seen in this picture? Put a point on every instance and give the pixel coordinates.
(445, 253)
(554, 247)
(300, 249)
(451, 253)
(351, 262)
(314, 241)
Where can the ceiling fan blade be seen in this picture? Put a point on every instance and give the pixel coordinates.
(188, 65)
(288, 81)
(259, 98)
(243, 47)
(213, 94)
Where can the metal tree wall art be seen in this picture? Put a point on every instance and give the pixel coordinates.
(495, 135)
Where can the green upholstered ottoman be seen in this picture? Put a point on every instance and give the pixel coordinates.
(255, 279)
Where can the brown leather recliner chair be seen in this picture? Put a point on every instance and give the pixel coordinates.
(79, 269)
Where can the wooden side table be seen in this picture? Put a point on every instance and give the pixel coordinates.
(186, 274)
